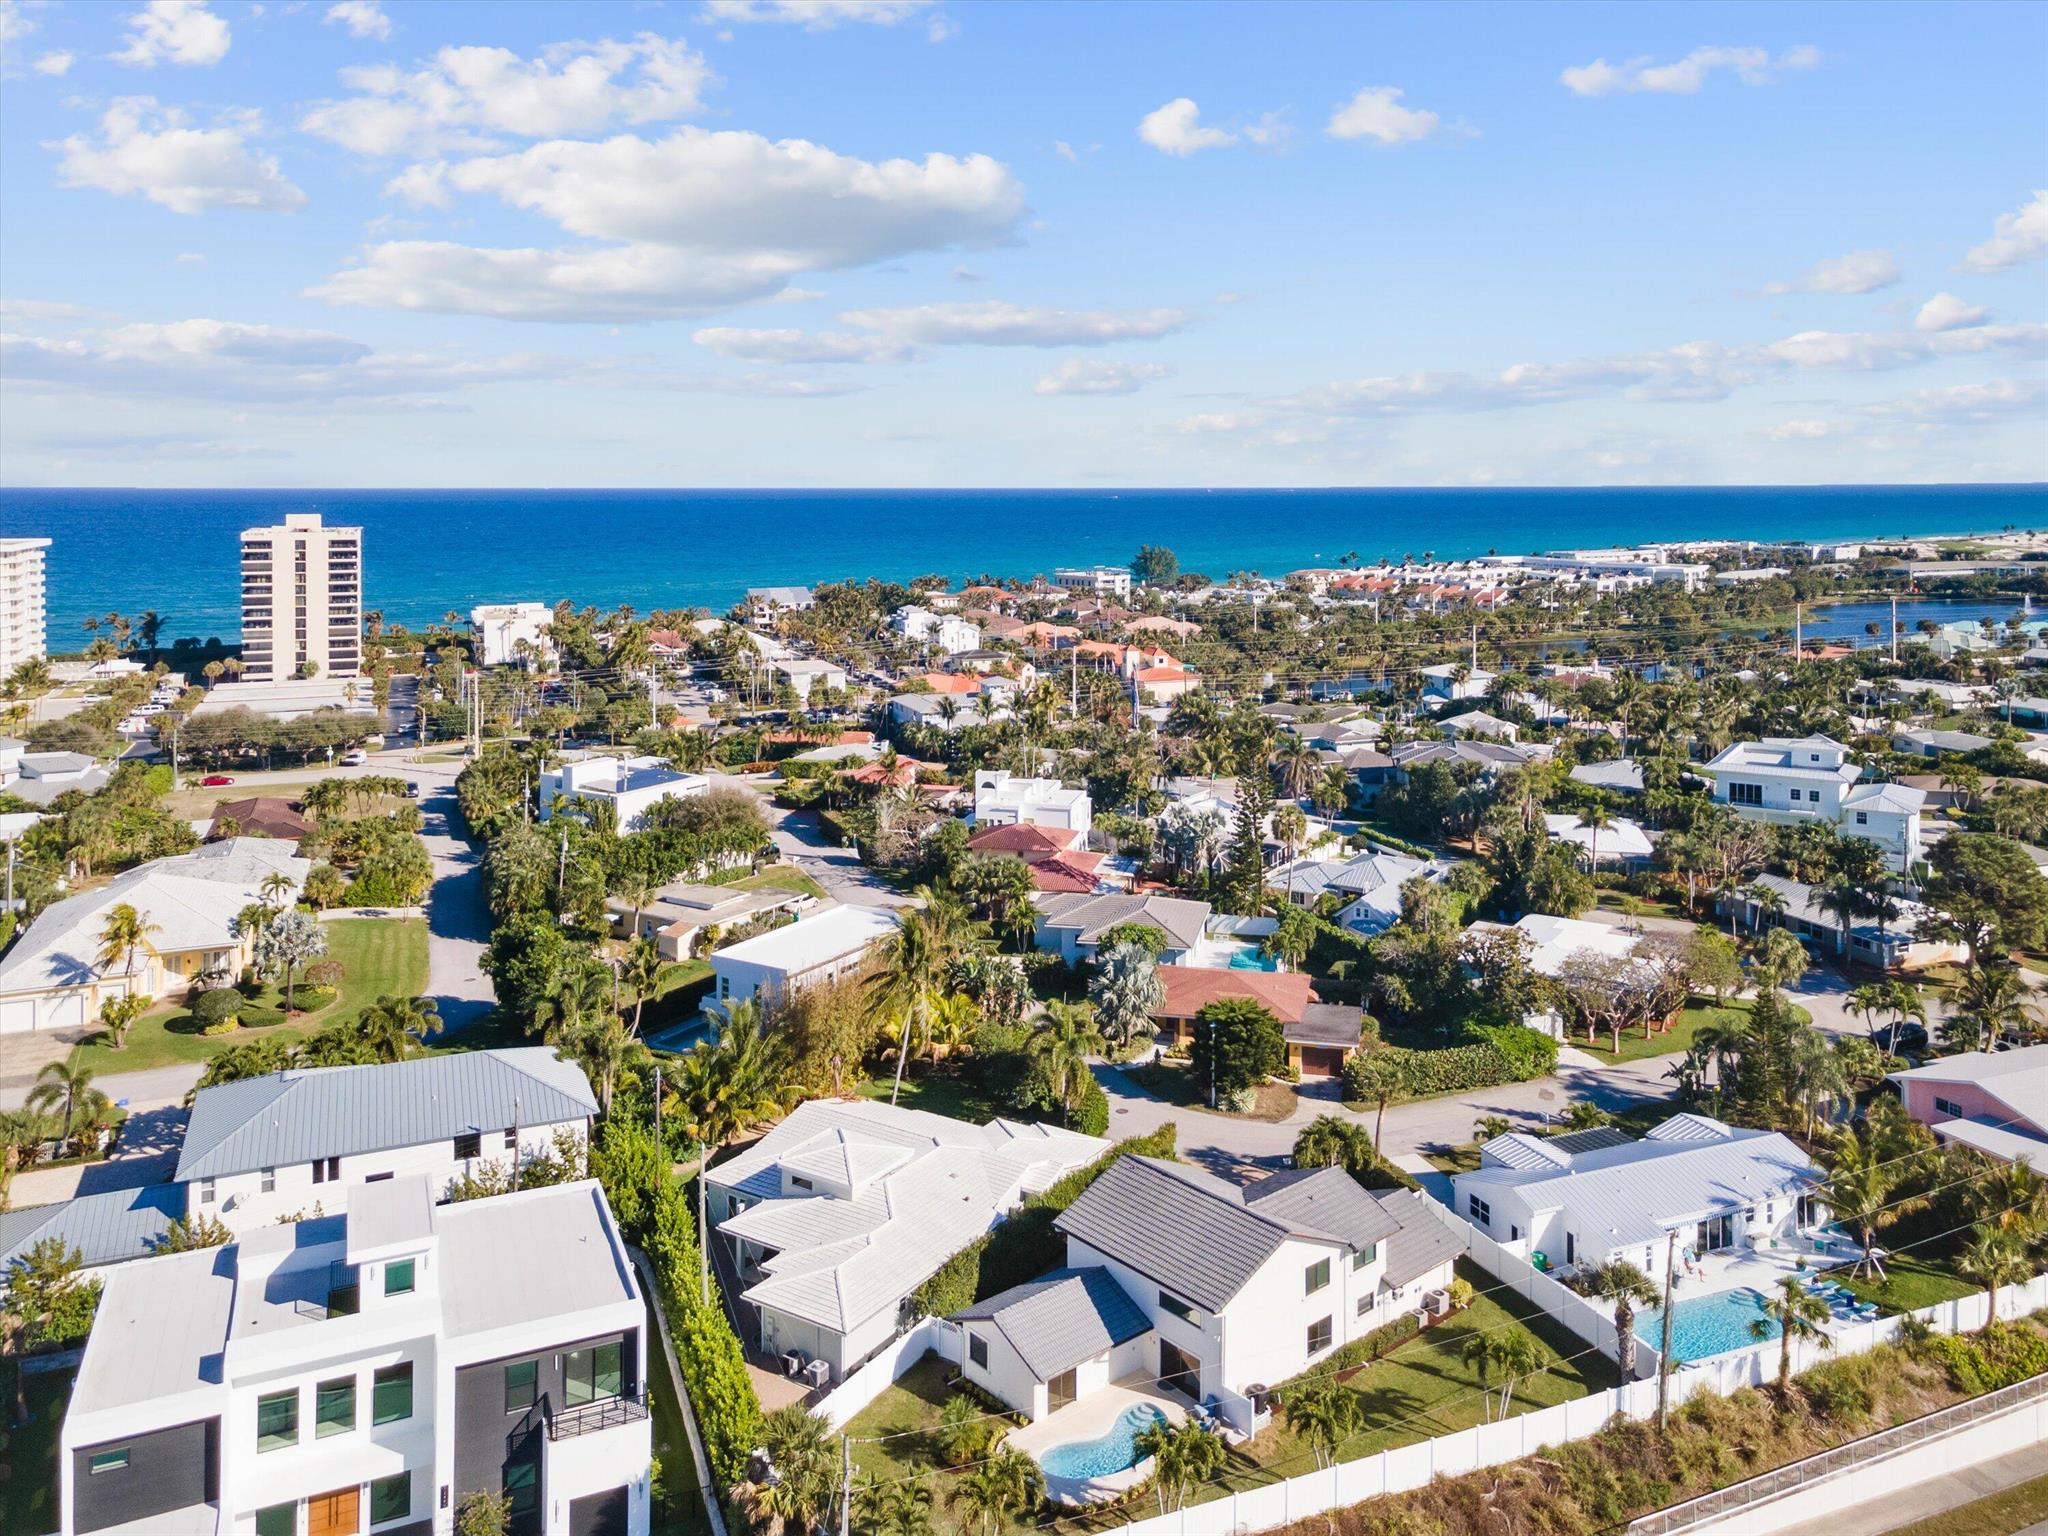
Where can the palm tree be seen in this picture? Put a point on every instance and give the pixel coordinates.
(1330, 1142)
(1325, 1414)
(720, 1090)
(1061, 1043)
(2010, 1197)
(395, 1027)
(1993, 1258)
(641, 970)
(1797, 1314)
(122, 934)
(63, 1083)
(952, 1024)
(1818, 1076)
(1005, 1484)
(1594, 819)
(1986, 1000)
(1862, 1179)
(915, 961)
(1182, 1458)
(905, 1510)
(1627, 1287)
(277, 889)
(1513, 1353)
(1300, 765)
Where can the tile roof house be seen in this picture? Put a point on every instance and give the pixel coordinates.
(1994, 1101)
(1320, 1036)
(840, 1212)
(260, 816)
(52, 979)
(1210, 1290)
(1370, 882)
(1897, 945)
(1071, 924)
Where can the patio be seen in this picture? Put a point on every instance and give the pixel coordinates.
(1803, 1257)
(1090, 1418)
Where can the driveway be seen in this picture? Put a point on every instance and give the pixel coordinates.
(147, 1154)
(802, 843)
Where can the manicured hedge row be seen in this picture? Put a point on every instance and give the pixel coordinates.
(1504, 1053)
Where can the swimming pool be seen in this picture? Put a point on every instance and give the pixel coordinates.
(1114, 1450)
(1248, 957)
(1707, 1325)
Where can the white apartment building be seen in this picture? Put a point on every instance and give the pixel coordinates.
(944, 633)
(1785, 779)
(1102, 580)
(23, 631)
(363, 1373)
(631, 786)
(302, 599)
(1001, 799)
(505, 633)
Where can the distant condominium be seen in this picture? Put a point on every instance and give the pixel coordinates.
(302, 600)
(22, 636)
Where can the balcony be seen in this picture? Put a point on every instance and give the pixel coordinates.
(609, 1413)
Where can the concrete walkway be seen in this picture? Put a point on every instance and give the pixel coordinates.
(1941, 1495)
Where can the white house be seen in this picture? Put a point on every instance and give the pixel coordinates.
(803, 673)
(943, 711)
(507, 633)
(771, 965)
(264, 1149)
(843, 1210)
(944, 632)
(1552, 945)
(365, 1372)
(1896, 945)
(1370, 882)
(678, 914)
(1621, 841)
(1454, 680)
(1001, 799)
(53, 979)
(1785, 779)
(1102, 580)
(1216, 1292)
(1477, 722)
(630, 786)
(1582, 1200)
(766, 604)
(1072, 923)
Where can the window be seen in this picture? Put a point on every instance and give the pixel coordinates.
(1862, 818)
(1365, 1255)
(522, 1383)
(270, 1181)
(391, 1498)
(109, 1461)
(797, 1181)
(1745, 794)
(343, 1295)
(206, 1191)
(1319, 1336)
(1571, 1248)
(334, 1411)
(977, 1350)
(1315, 1277)
(278, 1520)
(522, 1486)
(593, 1372)
(277, 1421)
(1481, 1212)
(1365, 1303)
(468, 1144)
(1168, 1302)
(391, 1394)
(398, 1277)
(1947, 1107)
(326, 1169)
(511, 1138)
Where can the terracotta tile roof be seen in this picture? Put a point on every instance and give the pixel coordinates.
(263, 816)
(1057, 874)
(1286, 994)
(951, 682)
(1024, 839)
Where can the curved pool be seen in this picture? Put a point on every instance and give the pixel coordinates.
(1114, 1450)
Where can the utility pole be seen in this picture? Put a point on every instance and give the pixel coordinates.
(1895, 629)
(1475, 647)
(845, 1486)
(1664, 1347)
(1798, 632)
(562, 862)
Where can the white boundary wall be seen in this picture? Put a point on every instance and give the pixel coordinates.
(932, 1335)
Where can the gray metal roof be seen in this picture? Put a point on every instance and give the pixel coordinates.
(1592, 1139)
(1424, 1240)
(105, 1229)
(1061, 1318)
(1327, 1199)
(298, 1115)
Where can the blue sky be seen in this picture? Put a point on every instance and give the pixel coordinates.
(761, 242)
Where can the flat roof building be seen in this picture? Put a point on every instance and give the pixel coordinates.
(302, 600)
(23, 628)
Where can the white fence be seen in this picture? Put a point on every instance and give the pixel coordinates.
(885, 1367)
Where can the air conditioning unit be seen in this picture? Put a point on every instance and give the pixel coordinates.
(1437, 1303)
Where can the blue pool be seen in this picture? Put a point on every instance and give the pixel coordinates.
(1706, 1325)
(1250, 958)
(1115, 1450)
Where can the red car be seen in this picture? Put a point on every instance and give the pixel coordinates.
(216, 780)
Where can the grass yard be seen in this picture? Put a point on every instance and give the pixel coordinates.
(379, 955)
(680, 1509)
(942, 1090)
(28, 1472)
(1698, 1014)
(1177, 1083)
(1609, 899)
(1912, 1281)
(780, 877)
(2017, 1508)
(192, 800)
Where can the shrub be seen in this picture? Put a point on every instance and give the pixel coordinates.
(312, 999)
(324, 973)
(226, 1026)
(253, 1017)
(222, 1005)
(1091, 1115)
(1382, 1340)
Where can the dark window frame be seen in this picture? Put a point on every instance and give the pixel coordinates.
(530, 1370)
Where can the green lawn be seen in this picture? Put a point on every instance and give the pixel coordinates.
(780, 877)
(28, 1472)
(379, 956)
(1175, 1082)
(1912, 1281)
(1609, 899)
(941, 1089)
(2015, 1509)
(1699, 1014)
(680, 1510)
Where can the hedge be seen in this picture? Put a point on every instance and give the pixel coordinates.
(1503, 1053)
(1091, 1115)
(1382, 1340)
(1025, 1245)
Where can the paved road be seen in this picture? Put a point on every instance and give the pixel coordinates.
(1953, 1490)
(801, 842)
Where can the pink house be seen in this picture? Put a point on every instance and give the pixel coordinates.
(1994, 1101)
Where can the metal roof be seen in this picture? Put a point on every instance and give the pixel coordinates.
(105, 1228)
(1061, 1318)
(298, 1115)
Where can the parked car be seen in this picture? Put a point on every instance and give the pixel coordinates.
(354, 759)
(216, 780)
(412, 789)
(1910, 1038)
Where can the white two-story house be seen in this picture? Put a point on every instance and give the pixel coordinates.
(629, 787)
(1786, 779)
(946, 634)
(1003, 799)
(363, 1373)
(1176, 1277)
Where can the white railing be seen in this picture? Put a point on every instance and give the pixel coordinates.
(889, 1364)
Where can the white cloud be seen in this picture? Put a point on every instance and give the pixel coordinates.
(1809, 430)
(15, 23)
(1176, 129)
(147, 150)
(820, 15)
(995, 323)
(174, 32)
(40, 309)
(365, 19)
(473, 98)
(56, 63)
(1088, 376)
(1967, 404)
(190, 258)
(1946, 312)
(1857, 272)
(793, 346)
(2016, 237)
(1376, 113)
(1685, 77)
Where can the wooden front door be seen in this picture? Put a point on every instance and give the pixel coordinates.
(333, 1514)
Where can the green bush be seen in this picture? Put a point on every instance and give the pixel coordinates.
(225, 1026)
(311, 999)
(1091, 1115)
(1381, 1340)
(222, 1005)
(1984, 1362)
(1503, 1053)
(253, 1017)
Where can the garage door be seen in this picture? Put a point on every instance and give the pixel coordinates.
(1321, 1061)
(63, 1012)
(599, 1514)
(17, 1016)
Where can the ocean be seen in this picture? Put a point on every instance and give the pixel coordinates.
(429, 552)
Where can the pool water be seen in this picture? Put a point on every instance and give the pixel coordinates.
(1115, 1450)
(1248, 958)
(1706, 1325)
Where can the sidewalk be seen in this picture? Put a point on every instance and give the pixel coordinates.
(1939, 1495)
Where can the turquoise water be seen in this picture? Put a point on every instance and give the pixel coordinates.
(1115, 1450)
(425, 552)
(1251, 959)
(1707, 1325)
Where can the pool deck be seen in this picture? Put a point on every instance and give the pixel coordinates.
(1084, 1419)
